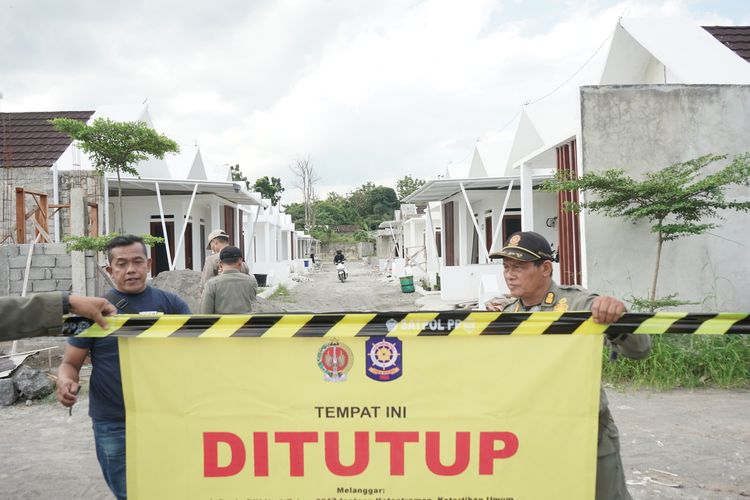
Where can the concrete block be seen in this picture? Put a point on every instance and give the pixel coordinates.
(55, 249)
(16, 287)
(64, 285)
(10, 250)
(44, 286)
(8, 393)
(15, 274)
(62, 260)
(62, 272)
(4, 273)
(24, 249)
(36, 261)
(36, 273)
(16, 262)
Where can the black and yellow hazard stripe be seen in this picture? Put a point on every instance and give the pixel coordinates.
(422, 323)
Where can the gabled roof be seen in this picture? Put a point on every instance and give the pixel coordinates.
(187, 164)
(28, 140)
(72, 159)
(737, 38)
(670, 50)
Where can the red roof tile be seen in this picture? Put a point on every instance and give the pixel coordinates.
(736, 38)
(28, 140)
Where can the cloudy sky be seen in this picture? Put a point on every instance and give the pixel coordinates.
(371, 90)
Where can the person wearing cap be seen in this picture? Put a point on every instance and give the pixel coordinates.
(217, 239)
(232, 292)
(527, 269)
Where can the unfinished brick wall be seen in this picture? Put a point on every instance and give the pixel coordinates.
(50, 270)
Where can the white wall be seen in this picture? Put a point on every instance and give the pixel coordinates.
(640, 128)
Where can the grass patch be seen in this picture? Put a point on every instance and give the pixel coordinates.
(689, 361)
(280, 292)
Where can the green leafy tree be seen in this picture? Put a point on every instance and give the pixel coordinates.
(407, 185)
(677, 201)
(116, 146)
(99, 243)
(270, 188)
(238, 176)
(297, 212)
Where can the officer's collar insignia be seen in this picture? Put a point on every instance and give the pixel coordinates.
(561, 306)
(550, 298)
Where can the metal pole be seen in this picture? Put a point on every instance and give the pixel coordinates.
(474, 220)
(499, 228)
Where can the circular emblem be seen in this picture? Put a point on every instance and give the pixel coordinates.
(383, 354)
(335, 360)
(514, 239)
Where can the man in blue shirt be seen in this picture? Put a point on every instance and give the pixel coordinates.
(128, 266)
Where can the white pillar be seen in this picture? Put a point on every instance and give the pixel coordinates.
(215, 216)
(463, 233)
(527, 199)
(78, 228)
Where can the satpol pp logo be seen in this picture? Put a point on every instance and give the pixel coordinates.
(391, 325)
(383, 358)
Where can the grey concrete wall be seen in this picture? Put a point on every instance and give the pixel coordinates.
(50, 270)
(644, 128)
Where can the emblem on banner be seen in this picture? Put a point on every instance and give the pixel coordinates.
(384, 358)
(335, 360)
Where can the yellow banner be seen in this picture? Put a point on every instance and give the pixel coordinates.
(381, 418)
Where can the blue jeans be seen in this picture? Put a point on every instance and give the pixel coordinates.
(109, 437)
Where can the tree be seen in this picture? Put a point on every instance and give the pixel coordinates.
(238, 176)
(270, 188)
(407, 185)
(116, 146)
(306, 179)
(373, 204)
(675, 200)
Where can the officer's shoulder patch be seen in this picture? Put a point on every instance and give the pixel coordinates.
(549, 298)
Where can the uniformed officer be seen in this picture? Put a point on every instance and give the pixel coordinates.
(42, 314)
(527, 269)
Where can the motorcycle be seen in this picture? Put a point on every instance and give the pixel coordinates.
(341, 270)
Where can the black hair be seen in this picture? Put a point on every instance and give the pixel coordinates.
(231, 260)
(124, 241)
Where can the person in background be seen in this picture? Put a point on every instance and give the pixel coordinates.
(128, 265)
(42, 314)
(232, 292)
(217, 239)
(339, 257)
(527, 269)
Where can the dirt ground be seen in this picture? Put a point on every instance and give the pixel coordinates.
(676, 444)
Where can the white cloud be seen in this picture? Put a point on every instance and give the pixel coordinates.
(371, 90)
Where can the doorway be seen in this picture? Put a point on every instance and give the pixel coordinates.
(159, 259)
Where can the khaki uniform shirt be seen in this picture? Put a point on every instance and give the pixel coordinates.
(232, 292)
(573, 298)
(35, 316)
(211, 268)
